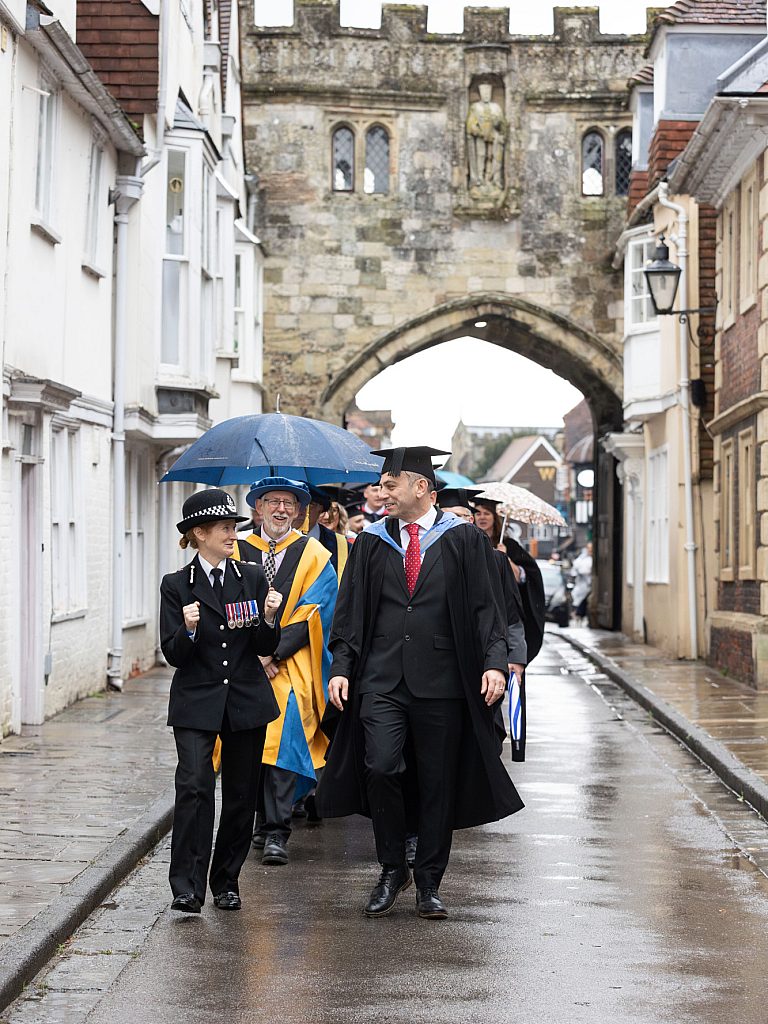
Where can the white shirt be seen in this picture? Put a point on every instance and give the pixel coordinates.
(207, 568)
(279, 555)
(426, 521)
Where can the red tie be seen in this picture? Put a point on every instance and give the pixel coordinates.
(412, 557)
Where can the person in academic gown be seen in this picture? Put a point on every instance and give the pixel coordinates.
(530, 584)
(300, 567)
(419, 654)
(216, 618)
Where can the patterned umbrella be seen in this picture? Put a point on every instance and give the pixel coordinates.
(518, 504)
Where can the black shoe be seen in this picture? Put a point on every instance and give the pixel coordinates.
(391, 883)
(429, 905)
(313, 818)
(299, 810)
(227, 901)
(410, 850)
(274, 850)
(187, 902)
(258, 840)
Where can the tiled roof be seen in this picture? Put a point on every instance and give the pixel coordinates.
(120, 40)
(225, 23)
(713, 12)
(642, 77)
(511, 455)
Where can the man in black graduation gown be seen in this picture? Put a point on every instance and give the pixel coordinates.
(419, 654)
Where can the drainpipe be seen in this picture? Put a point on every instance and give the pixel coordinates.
(690, 539)
(162, 91)
(127, 192)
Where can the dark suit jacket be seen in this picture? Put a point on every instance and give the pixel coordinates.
(412, 636)
(219, 669)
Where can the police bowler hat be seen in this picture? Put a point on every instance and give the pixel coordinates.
(208, 506)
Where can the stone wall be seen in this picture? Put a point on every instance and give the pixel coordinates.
(355, 281)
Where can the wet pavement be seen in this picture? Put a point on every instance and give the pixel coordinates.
(71, 787)
(732, 713)
(630, 889)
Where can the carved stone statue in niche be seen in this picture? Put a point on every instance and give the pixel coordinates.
(486, 140)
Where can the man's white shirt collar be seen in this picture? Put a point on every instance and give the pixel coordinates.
(425, 522)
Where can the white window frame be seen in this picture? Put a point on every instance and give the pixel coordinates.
(95, 196)
(746, 475)
(727, 499)
(48, 114)
(643, 247)
(729, 252)
(657, 548)
(748, 241)
(179, 261)
(136, 550)
(68, 554)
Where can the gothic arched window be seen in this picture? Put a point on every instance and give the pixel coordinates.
(376, 179)
(592, 183)
(623, 161)
(343, 155)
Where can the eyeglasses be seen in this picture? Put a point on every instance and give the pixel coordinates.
(274, 504)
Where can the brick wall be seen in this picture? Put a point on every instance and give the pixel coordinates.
(120, 39)
(740, 371)
(706, 332)
(731, 651)
(669, 140)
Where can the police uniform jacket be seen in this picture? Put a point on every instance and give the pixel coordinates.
(218, 669)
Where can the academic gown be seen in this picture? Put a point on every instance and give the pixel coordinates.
(532, 596)
(484, 790)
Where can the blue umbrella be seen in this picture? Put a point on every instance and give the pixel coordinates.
(246, 448)
(454, 479)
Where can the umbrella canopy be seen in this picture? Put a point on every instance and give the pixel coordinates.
(246, 448)
(453, 479)
(518, 504)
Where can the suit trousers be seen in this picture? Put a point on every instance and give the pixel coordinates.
(195, 806)
(434, 727)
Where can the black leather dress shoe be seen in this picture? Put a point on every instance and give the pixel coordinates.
(391, 883)
(227, 901)
(187, 902)
(429, 905)
(274, 850)
(411, 843)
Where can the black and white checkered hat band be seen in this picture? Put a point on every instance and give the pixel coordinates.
(213, 510)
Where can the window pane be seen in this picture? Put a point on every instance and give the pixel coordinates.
(169, 349)
(174, 235)
(343, 160)
(376, 161)
(592, 164)
(623, 162)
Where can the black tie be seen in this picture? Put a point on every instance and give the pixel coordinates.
(218, 584)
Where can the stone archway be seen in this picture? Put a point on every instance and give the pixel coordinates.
(590, 363)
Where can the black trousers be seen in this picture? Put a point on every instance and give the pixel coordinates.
(434, 728)
(194, 810)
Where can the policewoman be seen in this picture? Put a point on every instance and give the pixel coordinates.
(216, 617)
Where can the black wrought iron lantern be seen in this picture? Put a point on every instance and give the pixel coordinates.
(662, 277)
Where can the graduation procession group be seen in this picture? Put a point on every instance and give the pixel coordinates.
(343, 650)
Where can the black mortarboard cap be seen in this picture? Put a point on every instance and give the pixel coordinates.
(355, 508)
(453, 497)
(413, 459)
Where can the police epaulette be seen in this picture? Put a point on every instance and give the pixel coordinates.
(236, 569)
(191, 573)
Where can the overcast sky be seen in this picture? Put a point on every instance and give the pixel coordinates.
(446, 15)
(468, 379)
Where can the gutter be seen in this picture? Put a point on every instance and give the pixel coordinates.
(162, 92)
(69, 64)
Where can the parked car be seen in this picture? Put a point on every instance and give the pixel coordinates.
(556, 592)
